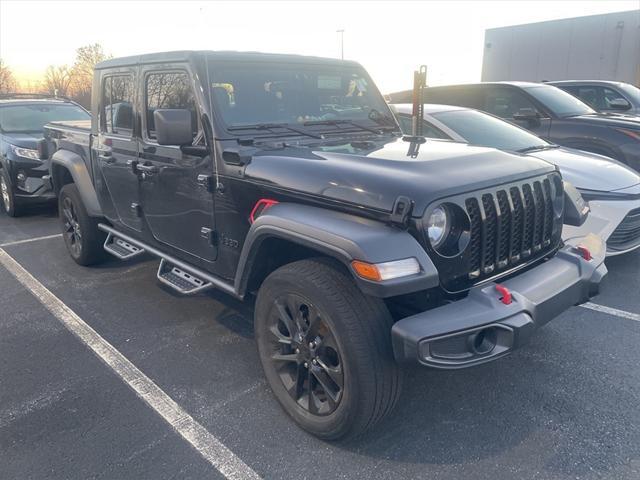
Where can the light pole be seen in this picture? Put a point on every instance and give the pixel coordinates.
(341, 32)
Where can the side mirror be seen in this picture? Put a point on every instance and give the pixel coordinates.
(173, 126)
(619, 104)
(526, 114)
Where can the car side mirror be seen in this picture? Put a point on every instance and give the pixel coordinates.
(173, 126)
(526, 114)
(619, 104)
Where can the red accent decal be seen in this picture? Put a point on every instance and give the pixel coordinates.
(506, 294)
(260, 207)
(584, 252)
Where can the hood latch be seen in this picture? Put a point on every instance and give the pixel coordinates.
(402, 208)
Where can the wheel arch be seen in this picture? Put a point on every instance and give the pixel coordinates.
(68, 167)
(290, 232)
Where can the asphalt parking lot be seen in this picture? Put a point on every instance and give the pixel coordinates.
(565, 407)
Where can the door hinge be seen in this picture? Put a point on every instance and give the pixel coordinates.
(209, 235)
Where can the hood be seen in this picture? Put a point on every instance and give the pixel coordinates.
(610, 119)
(590, 171)
(373, 177)
(26, 140)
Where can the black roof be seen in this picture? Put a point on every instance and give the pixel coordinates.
(187, 55)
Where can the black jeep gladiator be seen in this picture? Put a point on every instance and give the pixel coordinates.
(287, 177)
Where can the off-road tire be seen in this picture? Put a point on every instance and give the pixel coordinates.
(87, 247)
(362, 330)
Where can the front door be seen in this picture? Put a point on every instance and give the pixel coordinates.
(178, 209)
(116, 148)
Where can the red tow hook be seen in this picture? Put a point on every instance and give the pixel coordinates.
(584, 252)
(506, 294)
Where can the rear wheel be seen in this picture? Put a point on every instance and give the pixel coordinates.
(80, 231)
(326, 349)
(7, 197)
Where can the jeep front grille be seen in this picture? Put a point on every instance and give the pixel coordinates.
(509, 226)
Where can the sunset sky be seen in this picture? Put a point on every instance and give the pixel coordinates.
(389, 38)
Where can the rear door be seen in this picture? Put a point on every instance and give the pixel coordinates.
(116, 148)
(177, 208)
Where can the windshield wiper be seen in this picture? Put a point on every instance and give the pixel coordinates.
(271, 126)
(535, 148)
(337, 122)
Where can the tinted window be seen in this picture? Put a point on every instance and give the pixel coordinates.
(169, 90)
(32, 118)
(609, 95)
(559, 102)
(470, 97)
(428, 130)
(117, 101)
(505, 102)
(479, 128)
(293, 93)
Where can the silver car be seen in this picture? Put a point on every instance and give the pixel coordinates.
(611, 188)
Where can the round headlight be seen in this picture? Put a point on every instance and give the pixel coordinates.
(438, 226)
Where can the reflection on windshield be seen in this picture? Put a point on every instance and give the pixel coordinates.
(294, 94)
(33, 118)
(561, 103)
(485, 130)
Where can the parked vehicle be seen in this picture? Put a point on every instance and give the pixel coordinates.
(603, 95)
(24, 176)
(287, 177)
(612, 189)
(547, 111)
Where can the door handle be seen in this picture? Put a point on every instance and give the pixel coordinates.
(147, 168)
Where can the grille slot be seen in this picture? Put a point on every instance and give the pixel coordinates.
(510, 225)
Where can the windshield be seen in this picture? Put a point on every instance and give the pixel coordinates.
(293, 93)
(32, 118)
(561, 103)
(479, 128)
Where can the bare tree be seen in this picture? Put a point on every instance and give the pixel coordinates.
(82, 71)
(57, 80)
(7, 80)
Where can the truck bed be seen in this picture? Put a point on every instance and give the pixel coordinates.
(72, 135)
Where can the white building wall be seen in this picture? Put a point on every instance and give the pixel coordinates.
(597, 47)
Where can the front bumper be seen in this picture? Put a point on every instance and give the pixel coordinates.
(31, 181)
(605, 220)
(481, 328)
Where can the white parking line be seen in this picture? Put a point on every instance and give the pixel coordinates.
(28, 240)
(611, 311)
(212, 449)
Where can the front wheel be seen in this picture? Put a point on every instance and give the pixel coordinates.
(82, 237)
(7, 197)
(326, 349)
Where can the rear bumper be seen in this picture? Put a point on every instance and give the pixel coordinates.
(481, 328)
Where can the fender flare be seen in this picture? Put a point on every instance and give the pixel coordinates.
(343, 237)
(77, 168)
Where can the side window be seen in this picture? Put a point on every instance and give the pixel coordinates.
(589, 95)
(117, 105)
(504, 102)
(169, 90)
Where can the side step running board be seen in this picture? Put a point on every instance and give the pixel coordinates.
(179, 280)
(177, 269)
(120, 248)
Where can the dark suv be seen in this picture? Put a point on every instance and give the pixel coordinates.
(547, 111)
(603, 95)
(286, 179)
(24, 176)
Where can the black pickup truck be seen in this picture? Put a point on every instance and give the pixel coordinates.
(285, 179)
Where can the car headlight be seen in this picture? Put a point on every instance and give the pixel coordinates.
(438, 226)
(25, 152)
